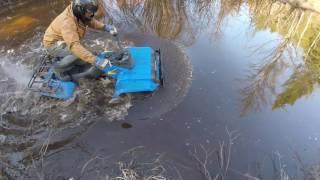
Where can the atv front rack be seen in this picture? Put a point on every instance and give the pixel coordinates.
(159, 78)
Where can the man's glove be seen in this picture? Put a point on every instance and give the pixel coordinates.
(111, 29)
(101, 61)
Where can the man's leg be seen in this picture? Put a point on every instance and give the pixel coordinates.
(66, 60)
(65, 68)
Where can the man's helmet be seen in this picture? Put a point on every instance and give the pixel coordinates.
(80, 7)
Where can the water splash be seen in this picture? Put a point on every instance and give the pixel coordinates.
(28, 121)
(14, 71)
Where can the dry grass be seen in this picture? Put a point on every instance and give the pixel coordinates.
(132, 166)
(214, 164)
(129, 172)
(204, 158)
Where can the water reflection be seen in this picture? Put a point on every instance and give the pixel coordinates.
(299, 30)
(165, 18)
(183, 21)
(17, 25)
(180, 21)
(20, 23)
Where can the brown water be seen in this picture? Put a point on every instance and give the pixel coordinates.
(241, 91)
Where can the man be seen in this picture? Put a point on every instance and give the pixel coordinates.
(62, 39)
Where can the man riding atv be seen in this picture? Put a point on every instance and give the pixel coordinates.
(133, 69)
(62, 41)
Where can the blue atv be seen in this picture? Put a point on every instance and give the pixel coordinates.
(134, 69)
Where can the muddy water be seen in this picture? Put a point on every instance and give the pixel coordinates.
(241, 91)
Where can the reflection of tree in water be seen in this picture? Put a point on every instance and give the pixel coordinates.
(227, 7)
(299, 29)
(262, 82)
(214, 12)
(173, 19)
(301, 83)
(304, 79)
(159, 15)
(165, 18)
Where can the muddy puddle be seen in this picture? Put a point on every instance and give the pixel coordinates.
(33, 126)
(240, 99)
(29, 122)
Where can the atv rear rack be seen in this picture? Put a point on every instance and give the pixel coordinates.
(39, 79)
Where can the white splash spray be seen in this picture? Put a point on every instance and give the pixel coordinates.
(14, 71)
